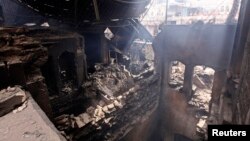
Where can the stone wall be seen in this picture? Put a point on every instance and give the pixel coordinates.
(241, 100)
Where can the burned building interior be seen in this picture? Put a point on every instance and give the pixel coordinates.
(90, 70)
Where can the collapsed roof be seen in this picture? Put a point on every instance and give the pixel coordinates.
(88, 10)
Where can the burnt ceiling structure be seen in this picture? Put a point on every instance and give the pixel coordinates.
(88, 10)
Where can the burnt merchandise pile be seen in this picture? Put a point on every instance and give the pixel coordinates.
(119, 100)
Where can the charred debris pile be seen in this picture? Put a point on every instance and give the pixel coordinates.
(103, 103)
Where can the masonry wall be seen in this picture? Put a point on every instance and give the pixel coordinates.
(241, 110)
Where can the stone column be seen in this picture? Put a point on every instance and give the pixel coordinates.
(104, 50)
(216, 101)
(218, 84)
(188, 80)
(56, 68)
(79, 63)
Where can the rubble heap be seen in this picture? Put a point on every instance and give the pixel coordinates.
(104, 105)
(119, 100)
(202, 90)
(111, 81)
(177, 75)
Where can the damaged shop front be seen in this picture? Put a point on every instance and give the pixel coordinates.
(100, 97)
(89, 70)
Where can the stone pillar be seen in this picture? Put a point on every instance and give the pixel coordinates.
(55, 61)
(1, 16)
(39, 92)
(218, 84)
(104, 50)
(165, 73)
(79, 60)
(188, 80)
(216, 102)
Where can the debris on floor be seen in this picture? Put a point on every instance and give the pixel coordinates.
(120, 97)
(11, 98)
(30, 124)
(201, 95)
(177, 75)
(203, 83)
(107, 102)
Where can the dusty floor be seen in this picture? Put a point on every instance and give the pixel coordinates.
(177, 117)
(30, 124)
(182, 116)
